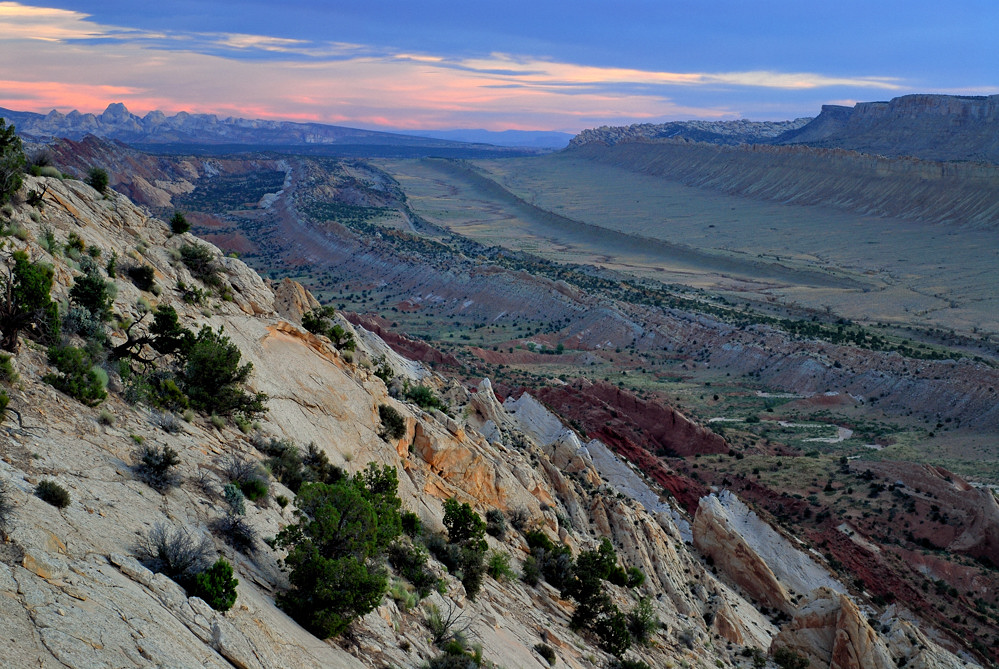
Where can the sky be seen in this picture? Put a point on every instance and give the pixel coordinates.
(493, 64)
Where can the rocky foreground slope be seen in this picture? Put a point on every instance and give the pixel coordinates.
(72, 592)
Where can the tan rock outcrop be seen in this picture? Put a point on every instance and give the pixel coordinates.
(830, 631)
(292, 300)
(715, 537)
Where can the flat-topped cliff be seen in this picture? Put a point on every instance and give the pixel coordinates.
(931, 127)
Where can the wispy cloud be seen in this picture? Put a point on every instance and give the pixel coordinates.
(63, 59)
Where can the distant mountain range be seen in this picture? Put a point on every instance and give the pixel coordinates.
(184, 129)
(926, 126)
(728, 133)
(538, 139)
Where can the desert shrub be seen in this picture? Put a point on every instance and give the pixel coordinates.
(142, 276)
(519, 518)
(97, 178)
(473, 569)
(292, 467)
(7, 373)
(91, 291)
(318, 467)
(111, 267)
(175, 552)
(547, 652)
(4, 402)
(332, 551)
(635, 577)
(245, 474)
(74, 242)
(216, 586)
(411, 524)
(179, 224)
(785, 658)
(255, 489)
(36, 198)
(202, 264)
(236, 532)
(156, 466)
(621, 663)
(499, 566)
(393, 424)
(496, 524)
(212, 376)
(424, 397)
(530, 573)
(234, 498)
(285, 461)
(166, 421)
(553, 562)
(643, 622)
(450, 624)
(12, 162)
(26, 303)
(321, 321)
(384, 371)
(77, 377)
(6, 510)
(53, 493)
(464, 526)
(410, 562)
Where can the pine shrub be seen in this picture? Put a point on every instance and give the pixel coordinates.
(216, 586)
(53, 493)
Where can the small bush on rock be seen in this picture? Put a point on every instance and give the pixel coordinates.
(496, 524)
(179, 224)
(175, 552)
(97, 178)
(216, 586)
(53, 493)
(425, 398)
(6, 510)
(547, 652)
(393, 424)
(411, 524)
(202, 264)
(213, 378)
(320, 321)
(142, 276)
(156, 466)
(77, 377)
(332, 551)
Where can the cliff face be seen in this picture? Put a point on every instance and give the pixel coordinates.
(931, 127)
(73, 594)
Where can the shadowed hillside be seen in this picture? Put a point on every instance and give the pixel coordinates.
(909, 188)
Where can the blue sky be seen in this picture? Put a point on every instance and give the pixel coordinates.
(497, 65)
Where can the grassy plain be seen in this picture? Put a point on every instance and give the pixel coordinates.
(864, 268)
